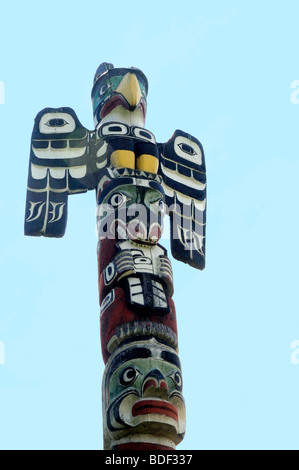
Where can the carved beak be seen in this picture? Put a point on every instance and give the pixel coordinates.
(129, 88)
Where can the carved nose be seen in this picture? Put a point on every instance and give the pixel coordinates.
(156, 380)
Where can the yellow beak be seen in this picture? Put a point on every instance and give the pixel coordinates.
(130, 89)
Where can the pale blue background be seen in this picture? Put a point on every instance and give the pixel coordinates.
(222, 71)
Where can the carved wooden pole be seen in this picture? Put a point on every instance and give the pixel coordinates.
(137, 181)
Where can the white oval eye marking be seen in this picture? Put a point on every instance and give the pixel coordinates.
(144, 134)
(187, 149)
(109, 273)
(114, 129)
(57, 123)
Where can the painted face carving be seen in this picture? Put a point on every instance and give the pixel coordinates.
(142, 395)
(131, 208)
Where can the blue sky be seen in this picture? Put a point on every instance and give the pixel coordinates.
(222, 71)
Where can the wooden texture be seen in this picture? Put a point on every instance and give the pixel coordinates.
(137, 182)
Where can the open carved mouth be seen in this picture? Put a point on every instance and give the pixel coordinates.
(135, 231)
(160, 407)
(119, 100)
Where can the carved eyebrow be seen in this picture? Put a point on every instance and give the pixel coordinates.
(171, 358)
(128, 355)
(156, 186)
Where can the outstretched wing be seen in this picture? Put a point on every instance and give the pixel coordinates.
(60, 164)
(182, 167)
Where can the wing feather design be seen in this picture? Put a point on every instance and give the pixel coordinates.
(60, 164)
(182, 167)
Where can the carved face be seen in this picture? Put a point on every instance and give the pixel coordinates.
(142, 394)
(131, 208)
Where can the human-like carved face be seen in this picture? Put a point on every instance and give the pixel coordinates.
(142, 395)
(132, 208)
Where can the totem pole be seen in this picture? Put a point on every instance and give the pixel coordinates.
(137, 181)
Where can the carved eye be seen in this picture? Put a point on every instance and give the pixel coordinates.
(177, 380)
(128, 376)
(104, 89)
(187, 149)
(118, 200)
(56, 122)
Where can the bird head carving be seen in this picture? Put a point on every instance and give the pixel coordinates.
(119, 94)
